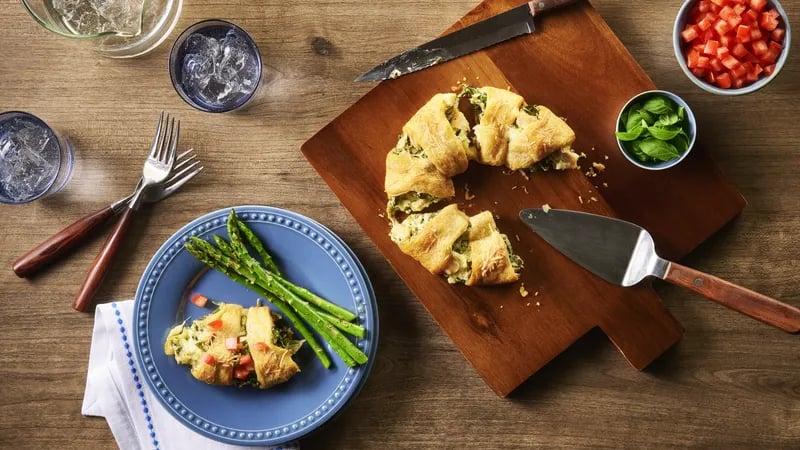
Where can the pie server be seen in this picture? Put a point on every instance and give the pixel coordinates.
(502, 27)
(623, 253)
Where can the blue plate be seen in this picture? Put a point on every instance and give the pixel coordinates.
(310, 255)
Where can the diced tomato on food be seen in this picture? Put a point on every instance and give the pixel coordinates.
(215, 324)
(245, 360)
(241, 373)
(260, 346)
(732, 43)
(232, 343)
(208, 359)
(199, 300)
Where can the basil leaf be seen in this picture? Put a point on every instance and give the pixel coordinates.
(664, 133)
(658, 149)
(633, 118)
(647, 117)
(658, 105)
(681, 142)
(681, 112)
(637, 151)
(631, 135)
(668, 119)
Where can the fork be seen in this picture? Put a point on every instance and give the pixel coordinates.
(157, 169)
(70, 236)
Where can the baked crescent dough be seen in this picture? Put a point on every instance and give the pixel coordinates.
(500, 109)
(412, 182)
(435, 146)
(438, 129)
(429, 237)
(490, 256)
(261, 358)
(536, 137)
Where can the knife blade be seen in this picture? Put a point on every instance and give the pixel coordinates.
(502, 27)
(624, 253)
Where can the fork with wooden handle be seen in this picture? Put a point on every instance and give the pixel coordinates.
(58, 245)
(157, 169)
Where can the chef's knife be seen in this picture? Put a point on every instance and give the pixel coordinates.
(502, 27)
(623, 253)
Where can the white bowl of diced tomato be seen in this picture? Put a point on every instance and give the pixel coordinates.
(731, 47)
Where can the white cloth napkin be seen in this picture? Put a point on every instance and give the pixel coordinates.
(115, 390)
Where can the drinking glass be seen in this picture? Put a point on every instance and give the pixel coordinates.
(215, 66)
(116, 28)
(35, 160)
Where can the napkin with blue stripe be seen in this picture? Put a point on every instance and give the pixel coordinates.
(115, 390)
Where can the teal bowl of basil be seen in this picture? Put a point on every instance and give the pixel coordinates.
(656, 130)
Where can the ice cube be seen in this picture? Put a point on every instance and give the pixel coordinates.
(29, 161)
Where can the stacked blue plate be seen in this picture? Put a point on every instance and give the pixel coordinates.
(309, 255)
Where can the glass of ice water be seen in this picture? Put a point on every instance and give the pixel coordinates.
(116, 28)
(35, 160)
(215, 66)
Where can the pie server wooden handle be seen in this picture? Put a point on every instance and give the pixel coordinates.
(745, 301)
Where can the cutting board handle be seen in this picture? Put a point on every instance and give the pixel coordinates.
(753, 304)
(544, 5)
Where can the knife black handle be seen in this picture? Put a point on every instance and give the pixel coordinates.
(544, 5)
(745, 301)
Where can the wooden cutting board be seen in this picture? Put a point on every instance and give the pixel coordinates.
(576, 66)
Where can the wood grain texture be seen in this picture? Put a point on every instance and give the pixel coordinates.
(758, 306)
(496, 328)
(730, 383)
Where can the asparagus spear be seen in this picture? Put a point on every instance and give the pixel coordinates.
(257, 275)
(282, 306)
(235, 233)
(254, 242)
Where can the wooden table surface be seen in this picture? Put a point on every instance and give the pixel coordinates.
(730, 383)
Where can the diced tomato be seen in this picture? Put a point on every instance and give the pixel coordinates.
(691, 58)
(767, 21)
(690, 33)
(730, 62)
(232, 343)
(245, 360)
(758, 5)
(215, 324)
(753, 72)
(722, 26)
(199, 300)
(732, 43)
(739, 51)
(760, 47)
(260, 346)
(749, 17)
(743, 34)
(208, 359)
(241, 373)
(728, 14)
(739, 72)
(711, 47)
(724, 80)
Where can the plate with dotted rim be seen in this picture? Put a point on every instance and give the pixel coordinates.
(307, 253)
